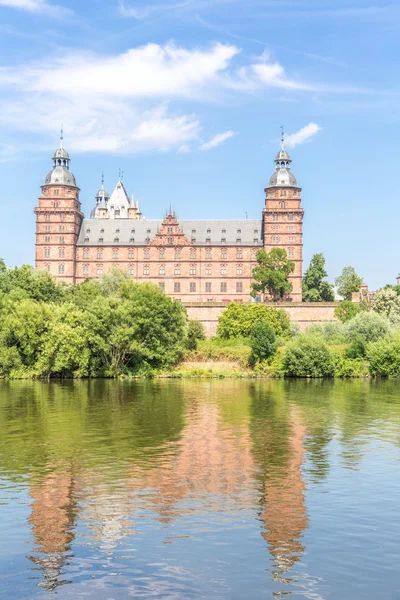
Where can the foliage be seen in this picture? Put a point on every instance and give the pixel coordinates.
(364, 328)
(262, 341)
(272, 273)
(384, 356)
(219, 350)
(315, 289)
(351, 367)
(238, 319)
(332, 332)
(308, 356)
(348, 283)
(387, 302)
(195, 332)
(346, 310)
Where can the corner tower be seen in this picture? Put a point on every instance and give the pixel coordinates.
(58, 219)
(283, 217)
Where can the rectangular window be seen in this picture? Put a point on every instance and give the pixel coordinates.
(192, 287)
(99, 254)
(162, 254)
(208, 287)
(208, 254)
(223, 270)
(239, 287)
(291, 252)
(62, 228)
(239, 254)
(146, 253)
(115, 253)
(177, 287)
(170, 241)
(47, 217)
(61, 252)
(208, 269)
(56, 192)
(131, 270)
(275, 217)
(177, 254)
(47, 239)
(61, 239)
(131, 253)
(146, 270)
(177, 269)
(47, 227)
(62, 217)
(224, 287)
(192, 270)
(100, 270)
(61, 269)
(290, 217)
(162, 285)
(223, 254)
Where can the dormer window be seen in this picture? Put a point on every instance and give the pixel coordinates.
(223, 240)
(208, 230)
(86, 239)
(116, 240)
(101, 230)
(208, 240)
(133, 231)
(117, 231)
(101, 239)
(238, 240)
(149, 231)
(131, 240)
(239, 231)
(223, 231)
(87, 230)
(193, 232)
(256, 231)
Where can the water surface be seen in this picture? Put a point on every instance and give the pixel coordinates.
(200, 489)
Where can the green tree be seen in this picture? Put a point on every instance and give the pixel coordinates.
(387, 302)
(308, 356)
(384, 356)
(364, 328)
(262, 341)
(315, 289)
(195, 332)
(346, 310)
(348, 283)
(237, 320)
(272, 274)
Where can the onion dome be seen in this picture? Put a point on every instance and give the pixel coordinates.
(60, 174)
(283, 177)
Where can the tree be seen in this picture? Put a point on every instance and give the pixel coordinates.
(348, 283)
(195, 332)
(387, 302)
(364, 328)
(315, 289)
(262, 341)
(346, 310)
(272, 274)
(384, 356)
(308, 356)
(238, 319)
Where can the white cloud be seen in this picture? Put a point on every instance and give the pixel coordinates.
(37, 6)
(217, 140)
(144, 12)
(303, 135)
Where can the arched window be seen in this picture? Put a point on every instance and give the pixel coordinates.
(47, 252)
(282, 204)
(61, 269)
(239, 253)
(223, 270)
(86, 253)
(162, 269)
(208, 253)
(146, 270)
(85, 269)
(61, 252)
(177, 270)
(131, 270)
(239, 269)
(192, 270)
(146, 253)
(131, 253)
(99, 270)
(208, 269)
(162, 253)
(115, 253)
(223, 254)
(192, 253)
(177, 253)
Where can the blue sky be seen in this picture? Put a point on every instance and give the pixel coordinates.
(187, 99)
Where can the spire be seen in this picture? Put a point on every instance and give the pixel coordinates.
(61, 135)
(282, 138)
(102, 180)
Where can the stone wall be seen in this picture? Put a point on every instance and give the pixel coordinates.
(302, 313)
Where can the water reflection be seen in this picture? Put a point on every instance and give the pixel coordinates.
(156, 476)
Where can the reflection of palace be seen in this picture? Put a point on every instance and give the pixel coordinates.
(217, 464)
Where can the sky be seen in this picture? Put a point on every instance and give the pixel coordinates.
(187, 98)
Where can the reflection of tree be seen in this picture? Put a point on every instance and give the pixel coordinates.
(277, 434)
(52, 521)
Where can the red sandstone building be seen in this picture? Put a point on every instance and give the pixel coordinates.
(194, 261)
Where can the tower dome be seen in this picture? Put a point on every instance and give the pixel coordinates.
(282, 177)
(102, 198)
(60, 174)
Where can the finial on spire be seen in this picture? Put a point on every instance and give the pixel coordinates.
(282, 137)
(102, 180)
(61, 135)
(122, 176)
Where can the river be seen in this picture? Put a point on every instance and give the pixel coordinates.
(215, 489)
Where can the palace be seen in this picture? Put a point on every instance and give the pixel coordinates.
(192, 260)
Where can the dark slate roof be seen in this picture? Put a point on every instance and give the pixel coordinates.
(131, 232)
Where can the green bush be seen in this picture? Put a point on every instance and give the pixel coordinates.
(308, 356)
(364, 328)
(346, 310)
(351, 367)
(195, 333)
(238, 319)
(384, 356)
(236, 350)
(262, 342)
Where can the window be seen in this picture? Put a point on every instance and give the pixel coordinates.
(282, 204)
(56, 192)
(208, 240)
(88, 230)
(170, 241)
(148, 231)
(239, 269)
(223, 240)
(146, 270)
(47, 239)
(208, 230)
(169, 229)
(61, 269)
(62, 228)
(238, 240)
(239, 287)
(290, 227)
(254, 254)
(208, 254)
(291, 238)
(131, 269)
(208, 287)
(162, 269)
(47, 252)
(256, 231)
(223, 269)
(239, 231)
(62, 217)
(275, 239)
(192, 253)
(291, 252)
(161, 284)
(86, 239)
(86, 254)
(192, 286)
(223, 254)
(115, 253)
(177, 254)
(101, 230)
(224, 287)
(255, 240)
(101, 240)
(116, 240)
(162, 254)
(177, 269)
(99, 269)
(275, 217)
(223, 231)
(283, 192)
(239, 253)
(131, 253)
(208, 269)
(275, 227)
(85, 269)
(47, 227)
(99, 253)
(61, 253)
(177, 287)
(47, 267)
(47, 217)
(133, 231)
(146, 253)
(290, 217)
(55, 204)
(193, 232)
(117, 213)
(192, 270)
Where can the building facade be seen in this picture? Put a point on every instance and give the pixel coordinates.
(192, 260)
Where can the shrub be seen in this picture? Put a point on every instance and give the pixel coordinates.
(384, 356)
(346, 310)
(351, 367)
(364, 328)
(195, 332)
(387, 302)
(308, 356)
(262, 342)
(238, 319)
